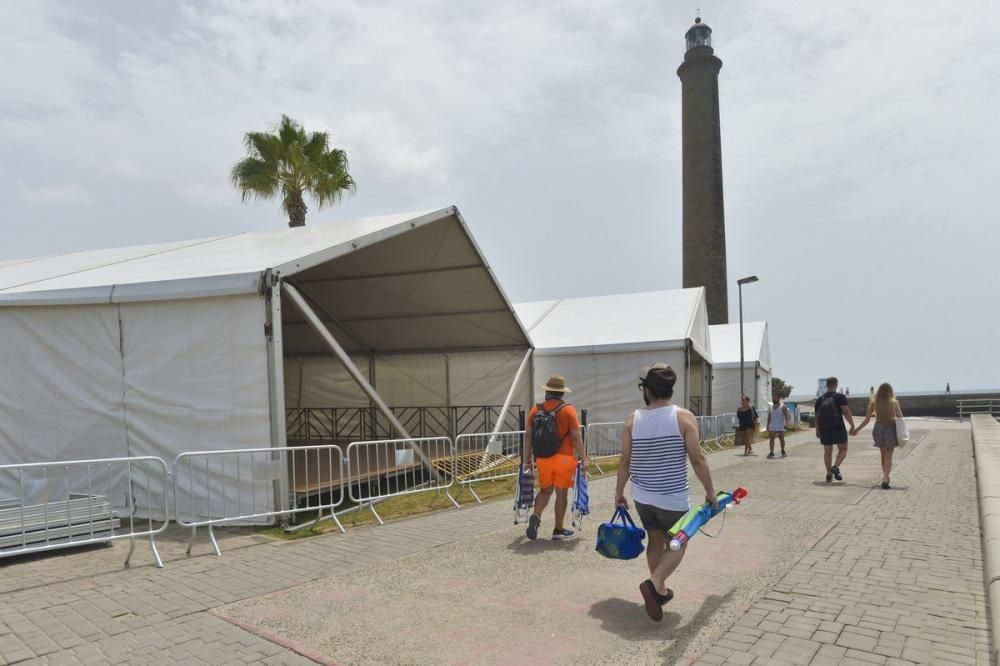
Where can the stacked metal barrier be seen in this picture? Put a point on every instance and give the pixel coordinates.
(83, 502)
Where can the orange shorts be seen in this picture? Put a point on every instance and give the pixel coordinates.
(558, 470)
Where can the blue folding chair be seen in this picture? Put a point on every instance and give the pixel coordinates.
(581, 497)
(524, 495)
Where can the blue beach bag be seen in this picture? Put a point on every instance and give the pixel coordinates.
(620, 540)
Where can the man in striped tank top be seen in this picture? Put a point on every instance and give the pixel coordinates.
(657, 443)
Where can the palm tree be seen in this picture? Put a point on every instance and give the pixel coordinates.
(291, 162)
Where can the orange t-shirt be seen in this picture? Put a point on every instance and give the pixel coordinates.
(566, 421)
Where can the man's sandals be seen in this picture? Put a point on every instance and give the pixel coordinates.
(654, 600)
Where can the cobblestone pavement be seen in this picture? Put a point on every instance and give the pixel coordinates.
(899, 580)
(895, 578)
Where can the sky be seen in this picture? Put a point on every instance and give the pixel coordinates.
(859, 142)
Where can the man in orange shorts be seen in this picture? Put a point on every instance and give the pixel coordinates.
(552, 433)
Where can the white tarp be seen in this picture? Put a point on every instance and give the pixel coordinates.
(196, 380)
(600, 343)
(88, 381)
(726, 366)
(61, 389)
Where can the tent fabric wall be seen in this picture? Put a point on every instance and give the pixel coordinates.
(196, 380)
(323, 382)
(605, 384)
(133, 380)
(61, 394)
(726, 387)
(409, 380)
(756, 358)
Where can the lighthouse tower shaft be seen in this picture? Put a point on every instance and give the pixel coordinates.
(704, 222)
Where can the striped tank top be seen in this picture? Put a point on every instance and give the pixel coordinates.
(658, 466)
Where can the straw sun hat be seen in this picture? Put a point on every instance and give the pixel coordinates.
(556, 384)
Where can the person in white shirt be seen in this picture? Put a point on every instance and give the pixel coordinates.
(657, 443)
(777, 422)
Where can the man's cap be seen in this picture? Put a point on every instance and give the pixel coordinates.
(557, 384)
(658, 377)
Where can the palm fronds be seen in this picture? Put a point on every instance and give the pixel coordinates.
(289, 162)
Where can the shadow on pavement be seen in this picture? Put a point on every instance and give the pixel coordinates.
(525, 546)
(628, 619)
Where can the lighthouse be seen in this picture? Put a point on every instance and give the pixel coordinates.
(704, 221)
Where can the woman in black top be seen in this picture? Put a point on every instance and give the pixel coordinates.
(747, 417)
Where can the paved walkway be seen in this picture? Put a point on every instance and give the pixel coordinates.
(804, 572)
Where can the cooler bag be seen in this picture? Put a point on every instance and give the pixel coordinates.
(620, 541)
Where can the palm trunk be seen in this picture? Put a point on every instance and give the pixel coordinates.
(296, 210)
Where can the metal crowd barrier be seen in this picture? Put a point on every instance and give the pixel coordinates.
(72, 503)
(225, 486)
(603, 441)
(396, 467)
(708, 433)
(486, 457)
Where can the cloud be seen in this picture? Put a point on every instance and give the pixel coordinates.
(418, 92)
(858, 144)
(70, 194)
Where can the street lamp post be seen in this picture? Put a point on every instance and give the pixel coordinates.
(740, 283)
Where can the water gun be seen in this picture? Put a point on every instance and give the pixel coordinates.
(693, 520)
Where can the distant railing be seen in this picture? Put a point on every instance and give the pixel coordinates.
(969, 406)
(350, 424)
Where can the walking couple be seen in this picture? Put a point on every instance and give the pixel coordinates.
(832, 409)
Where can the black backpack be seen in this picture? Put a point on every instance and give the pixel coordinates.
(545, 438)
(828, 415)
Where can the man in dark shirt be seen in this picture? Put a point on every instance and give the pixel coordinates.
(831, 408)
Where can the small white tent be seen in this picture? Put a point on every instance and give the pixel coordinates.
(161, 349)
(600, 344)
(726, 366)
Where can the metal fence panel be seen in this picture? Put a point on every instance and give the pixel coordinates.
(487, 457)
(72, 503)
(234, 485)
(378, 470)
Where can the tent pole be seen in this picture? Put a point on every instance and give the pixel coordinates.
(318, 326)
(494, 445)
(276, 388)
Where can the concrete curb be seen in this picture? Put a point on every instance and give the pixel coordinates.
(986, 448)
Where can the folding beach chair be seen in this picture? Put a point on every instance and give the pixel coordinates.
(581, 497)
(524, 494)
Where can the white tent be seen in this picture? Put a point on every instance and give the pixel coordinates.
(600, 343)
(186, 346)
(726, 366)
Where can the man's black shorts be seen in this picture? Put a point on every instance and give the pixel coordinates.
(831, 437)
(653, 518)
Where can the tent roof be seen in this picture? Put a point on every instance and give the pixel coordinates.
(406, 282)
(619, 322)
(184, 269)
(726, 344)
